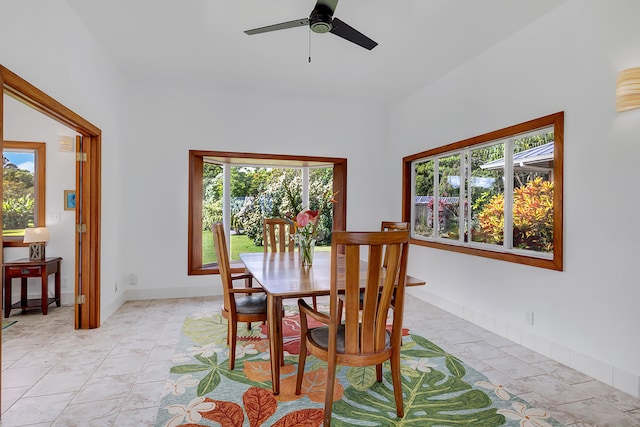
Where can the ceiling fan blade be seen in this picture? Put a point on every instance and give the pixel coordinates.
(331, 4)
(349, 33)
(281, 26)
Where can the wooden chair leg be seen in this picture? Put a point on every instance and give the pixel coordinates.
(302, 354)
(396, 380)
(248, 326)
(379, 373)
(231, 337)
(328, 396)
(302, 358)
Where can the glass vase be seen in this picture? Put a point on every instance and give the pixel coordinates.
(306, 249)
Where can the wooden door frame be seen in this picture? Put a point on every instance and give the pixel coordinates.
(87, 272)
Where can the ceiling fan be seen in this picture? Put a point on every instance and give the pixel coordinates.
(321, 21)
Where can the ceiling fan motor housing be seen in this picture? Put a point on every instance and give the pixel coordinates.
(320, 19)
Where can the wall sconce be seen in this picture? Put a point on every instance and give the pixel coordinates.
(628, 89)
(36, 237)
(65, 143)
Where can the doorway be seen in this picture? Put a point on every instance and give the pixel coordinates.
(88, 188)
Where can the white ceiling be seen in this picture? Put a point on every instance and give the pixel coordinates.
(202, 42)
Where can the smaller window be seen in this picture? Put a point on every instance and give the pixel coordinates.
(23, 186)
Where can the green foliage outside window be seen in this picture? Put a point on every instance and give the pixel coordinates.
(281, 196)
(258, 193)
(17, 198)
(532, 217)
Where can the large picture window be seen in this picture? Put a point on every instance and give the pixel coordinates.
(241, 189)
(23, 185)
(497, 195)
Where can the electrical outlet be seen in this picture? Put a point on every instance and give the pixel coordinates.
(133, 279)
(529, 318)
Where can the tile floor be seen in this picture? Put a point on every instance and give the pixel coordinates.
(53, 375)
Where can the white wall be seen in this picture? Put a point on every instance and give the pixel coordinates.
(23, 123)
(586, 316)
(45, 43)
(166, 122)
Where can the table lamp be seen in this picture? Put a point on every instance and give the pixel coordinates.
(36, 237)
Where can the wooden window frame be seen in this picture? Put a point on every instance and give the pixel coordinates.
(40, 193)
(196, 162)
(553, 120)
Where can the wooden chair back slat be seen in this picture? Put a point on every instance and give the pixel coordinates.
(393, 226)
(276, 234)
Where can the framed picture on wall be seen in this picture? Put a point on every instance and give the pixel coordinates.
(69, 200)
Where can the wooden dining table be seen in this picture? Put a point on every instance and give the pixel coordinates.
(283, 276)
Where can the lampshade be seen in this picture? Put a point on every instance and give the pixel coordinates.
(628, 89)
(36, 235)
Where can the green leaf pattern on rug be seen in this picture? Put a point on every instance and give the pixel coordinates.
(212, 379)
(209, 329)
(454, 365)
(438, 389)
(430, 395)
(362, 377)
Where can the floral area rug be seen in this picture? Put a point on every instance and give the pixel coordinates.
(439, 389)
(7, 323)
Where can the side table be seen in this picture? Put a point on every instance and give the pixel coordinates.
(24, 268)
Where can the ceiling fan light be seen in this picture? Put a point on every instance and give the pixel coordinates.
(321, 27)
(320, 19)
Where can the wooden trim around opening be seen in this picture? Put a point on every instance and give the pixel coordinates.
(87, 315)
(196, 162)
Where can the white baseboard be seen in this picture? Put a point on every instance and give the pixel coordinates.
(175, 292)
(113, 306)
(619, 378)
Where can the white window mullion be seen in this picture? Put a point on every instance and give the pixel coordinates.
(412, 217)
(462, 175)
(508, 194)
(436, 198)
(305, 187)
(467, 168)
(226, 202)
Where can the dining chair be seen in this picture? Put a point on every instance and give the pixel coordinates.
(363, 338)
(276, 234)
(241, 304)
